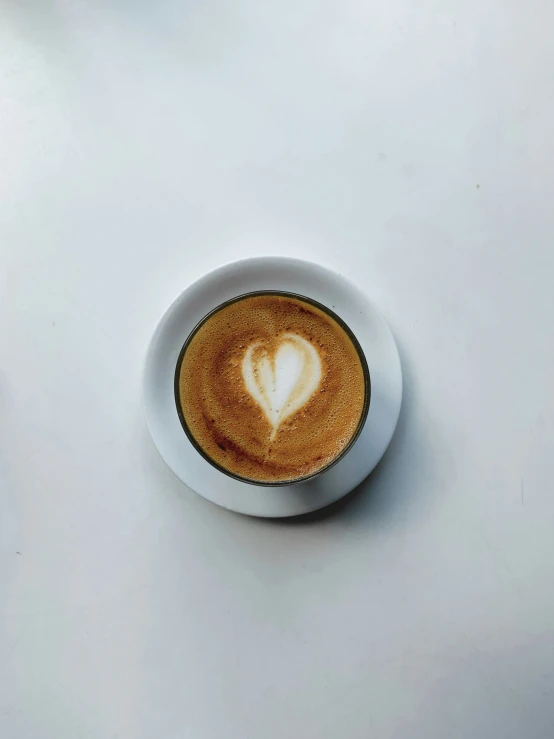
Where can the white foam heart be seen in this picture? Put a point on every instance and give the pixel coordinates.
(282, 384)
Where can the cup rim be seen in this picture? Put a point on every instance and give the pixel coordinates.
(361, 356)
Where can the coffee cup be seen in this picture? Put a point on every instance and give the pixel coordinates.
(272, 388)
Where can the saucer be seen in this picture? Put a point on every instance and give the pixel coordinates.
(289, 275)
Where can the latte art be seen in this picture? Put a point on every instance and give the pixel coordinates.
(271, 388)
(284, 382)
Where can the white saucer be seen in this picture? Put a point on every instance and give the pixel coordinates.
(303, 278)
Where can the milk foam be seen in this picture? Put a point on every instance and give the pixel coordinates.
(282, 382)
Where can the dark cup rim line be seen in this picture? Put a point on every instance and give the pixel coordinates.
(365, 370)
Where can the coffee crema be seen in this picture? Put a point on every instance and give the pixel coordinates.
(271, 388)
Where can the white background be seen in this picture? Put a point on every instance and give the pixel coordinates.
(408, 144)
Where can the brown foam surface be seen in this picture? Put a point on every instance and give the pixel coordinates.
(227, 422)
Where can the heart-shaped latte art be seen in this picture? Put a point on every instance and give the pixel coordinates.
(283, 382)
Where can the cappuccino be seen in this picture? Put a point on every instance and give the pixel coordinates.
(272, 388)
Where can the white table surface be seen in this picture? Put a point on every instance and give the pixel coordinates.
(409, 145)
